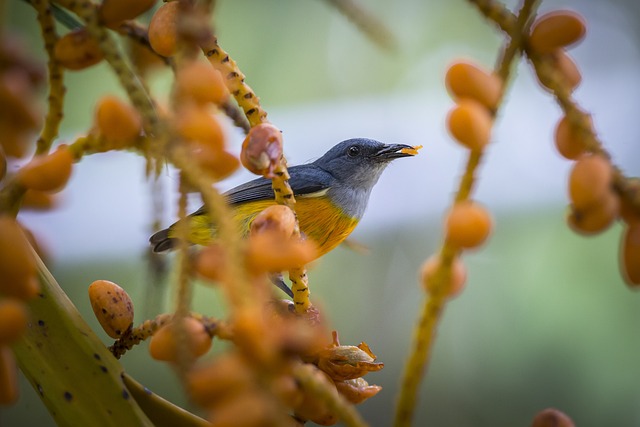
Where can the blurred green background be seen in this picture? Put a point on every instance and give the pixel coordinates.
(545, 319)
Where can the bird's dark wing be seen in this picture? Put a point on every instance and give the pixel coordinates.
(305, 179)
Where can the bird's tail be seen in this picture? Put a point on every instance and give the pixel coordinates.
(161, 241)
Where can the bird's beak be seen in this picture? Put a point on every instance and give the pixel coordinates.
(395, 151)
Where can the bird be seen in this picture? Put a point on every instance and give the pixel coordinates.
(331, 194)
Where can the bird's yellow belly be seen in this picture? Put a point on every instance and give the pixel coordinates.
(320, 221)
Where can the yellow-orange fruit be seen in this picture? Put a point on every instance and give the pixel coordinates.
(312, 408)
(628, 212)
(8, 377)
(568, 68)
(250, 409)
(113, 12)
(163, 29)
(596, 218)
(570, 141)
(117, 121)
(112, 306)
(47, 172)
(14, 142)
(164, 344)
(551, 418)
(210, 263)
(202, 83)
(18, 108)
(467, 80)
(227, 375)
(143, 57)
(17, 263)
(219, 164)
(269, 252)
(3, 164)
(197, 124)
(77, 50)
(13, 320)
(287, 390)
(589, 181)
(468, 224)
(38, 201)
(556, 30)
(470, 124)
(630, 254)
(455, 282)
(277, 218)
(262, 149)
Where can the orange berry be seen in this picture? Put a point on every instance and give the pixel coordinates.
(630, 254)
(8, 377)
(262, 149)
(163, 29)
(596, 218)
(556, 30)
(467, 80)
(164, 342)
(18, 108)
(77, 50)
(202, 83)
(628, 212)
(117, 121)
(227, 375)
(569, 141)
(455, 282)
(568, 68)
(113, 12)
(551, 418)
(312, 408)
(13, 320)
(468, 224)
(269, 252)
(143, 58)
(48, 172)
(210, 263)
(470, 124)
(219, 164)
(38, 201)
(17, 263)
(589, 181)
(112, 306)
(197, 124)
(277, 218)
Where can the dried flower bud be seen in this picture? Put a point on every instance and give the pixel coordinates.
(346, 362)
(551, 418)
(467, 80)
(17, 263)
(112, 306)
(262, 149)
(278, 219)
(13, 320)
(47, 172)
(357, 390)
(77, 50)
(165, 343)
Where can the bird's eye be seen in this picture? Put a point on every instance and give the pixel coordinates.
(354, 150)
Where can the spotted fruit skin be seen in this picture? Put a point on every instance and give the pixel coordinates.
(112, 306)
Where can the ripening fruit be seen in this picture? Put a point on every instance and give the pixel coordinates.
(164, 344)
(468, 224)
(227, 375)
(467, 80)
(590, 181)
(117, 121)
(197, 124)
(628, 213)
(3, 164)
(38, 201)
(470, 124)
(113, 12)
(630, 254)
(112, 306)
(211, 263)
(163, 29)
(48, 172)
(18, 108)
(13, 320)
(556, 30)
(596, 218)
(457, 277)
(568, 68)
(312, 408)
(77, 50)
(277, 218)
(202, 83)
(17, 263)
(8, 377)
(569, 141)
(269, 252)
(551, 418)
(219, 164)
(262, 149)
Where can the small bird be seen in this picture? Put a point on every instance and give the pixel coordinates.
(331, 195)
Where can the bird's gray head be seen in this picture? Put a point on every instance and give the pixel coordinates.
(359, 162)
